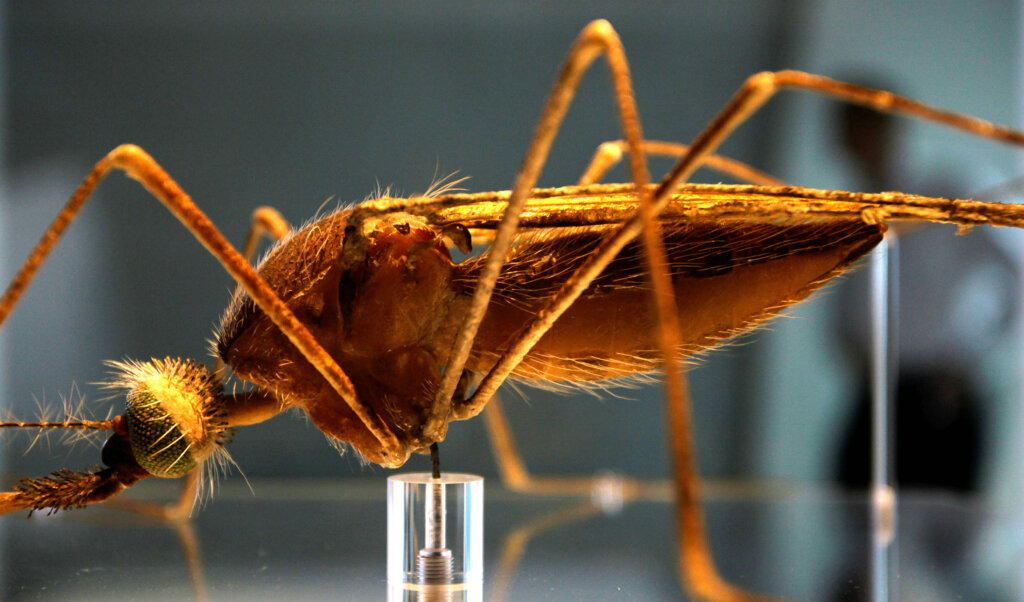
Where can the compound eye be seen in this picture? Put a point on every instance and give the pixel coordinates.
(173, 415)
(158, 438)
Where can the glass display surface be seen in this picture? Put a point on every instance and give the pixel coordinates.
(326, 539)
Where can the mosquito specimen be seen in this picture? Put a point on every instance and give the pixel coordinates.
(363, 320)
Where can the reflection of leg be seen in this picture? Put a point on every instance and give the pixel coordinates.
(514, 548)
(176, 516)
(696, 566)
(193, 559)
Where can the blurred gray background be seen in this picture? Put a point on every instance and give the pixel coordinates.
(297, 104)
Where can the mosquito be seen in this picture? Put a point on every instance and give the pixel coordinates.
(363, 320)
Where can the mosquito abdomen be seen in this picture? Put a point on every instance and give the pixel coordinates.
(728, 278)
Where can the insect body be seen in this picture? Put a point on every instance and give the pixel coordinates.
(363, 320)
(390, 315)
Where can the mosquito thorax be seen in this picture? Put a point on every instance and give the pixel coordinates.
(375, 293)
(172, 414)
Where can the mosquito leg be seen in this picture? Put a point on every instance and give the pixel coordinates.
(176, 515)
(597, 38)
(265, 221)
(178, 511)
(268, 221)
(182, 508)
(608, 155)
(517, 477)
(514, 472)
(760, 87)
(754, 93)
(696, 564)
(693, 544)
(140, 166)
(511, 467)
(696, 567)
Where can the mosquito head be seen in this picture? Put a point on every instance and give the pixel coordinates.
(173, 422)
(173, 414)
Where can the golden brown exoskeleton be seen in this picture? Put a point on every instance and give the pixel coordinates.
(389, 318)
(363, 320)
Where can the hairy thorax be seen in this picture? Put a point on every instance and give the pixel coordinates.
(386, 318)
